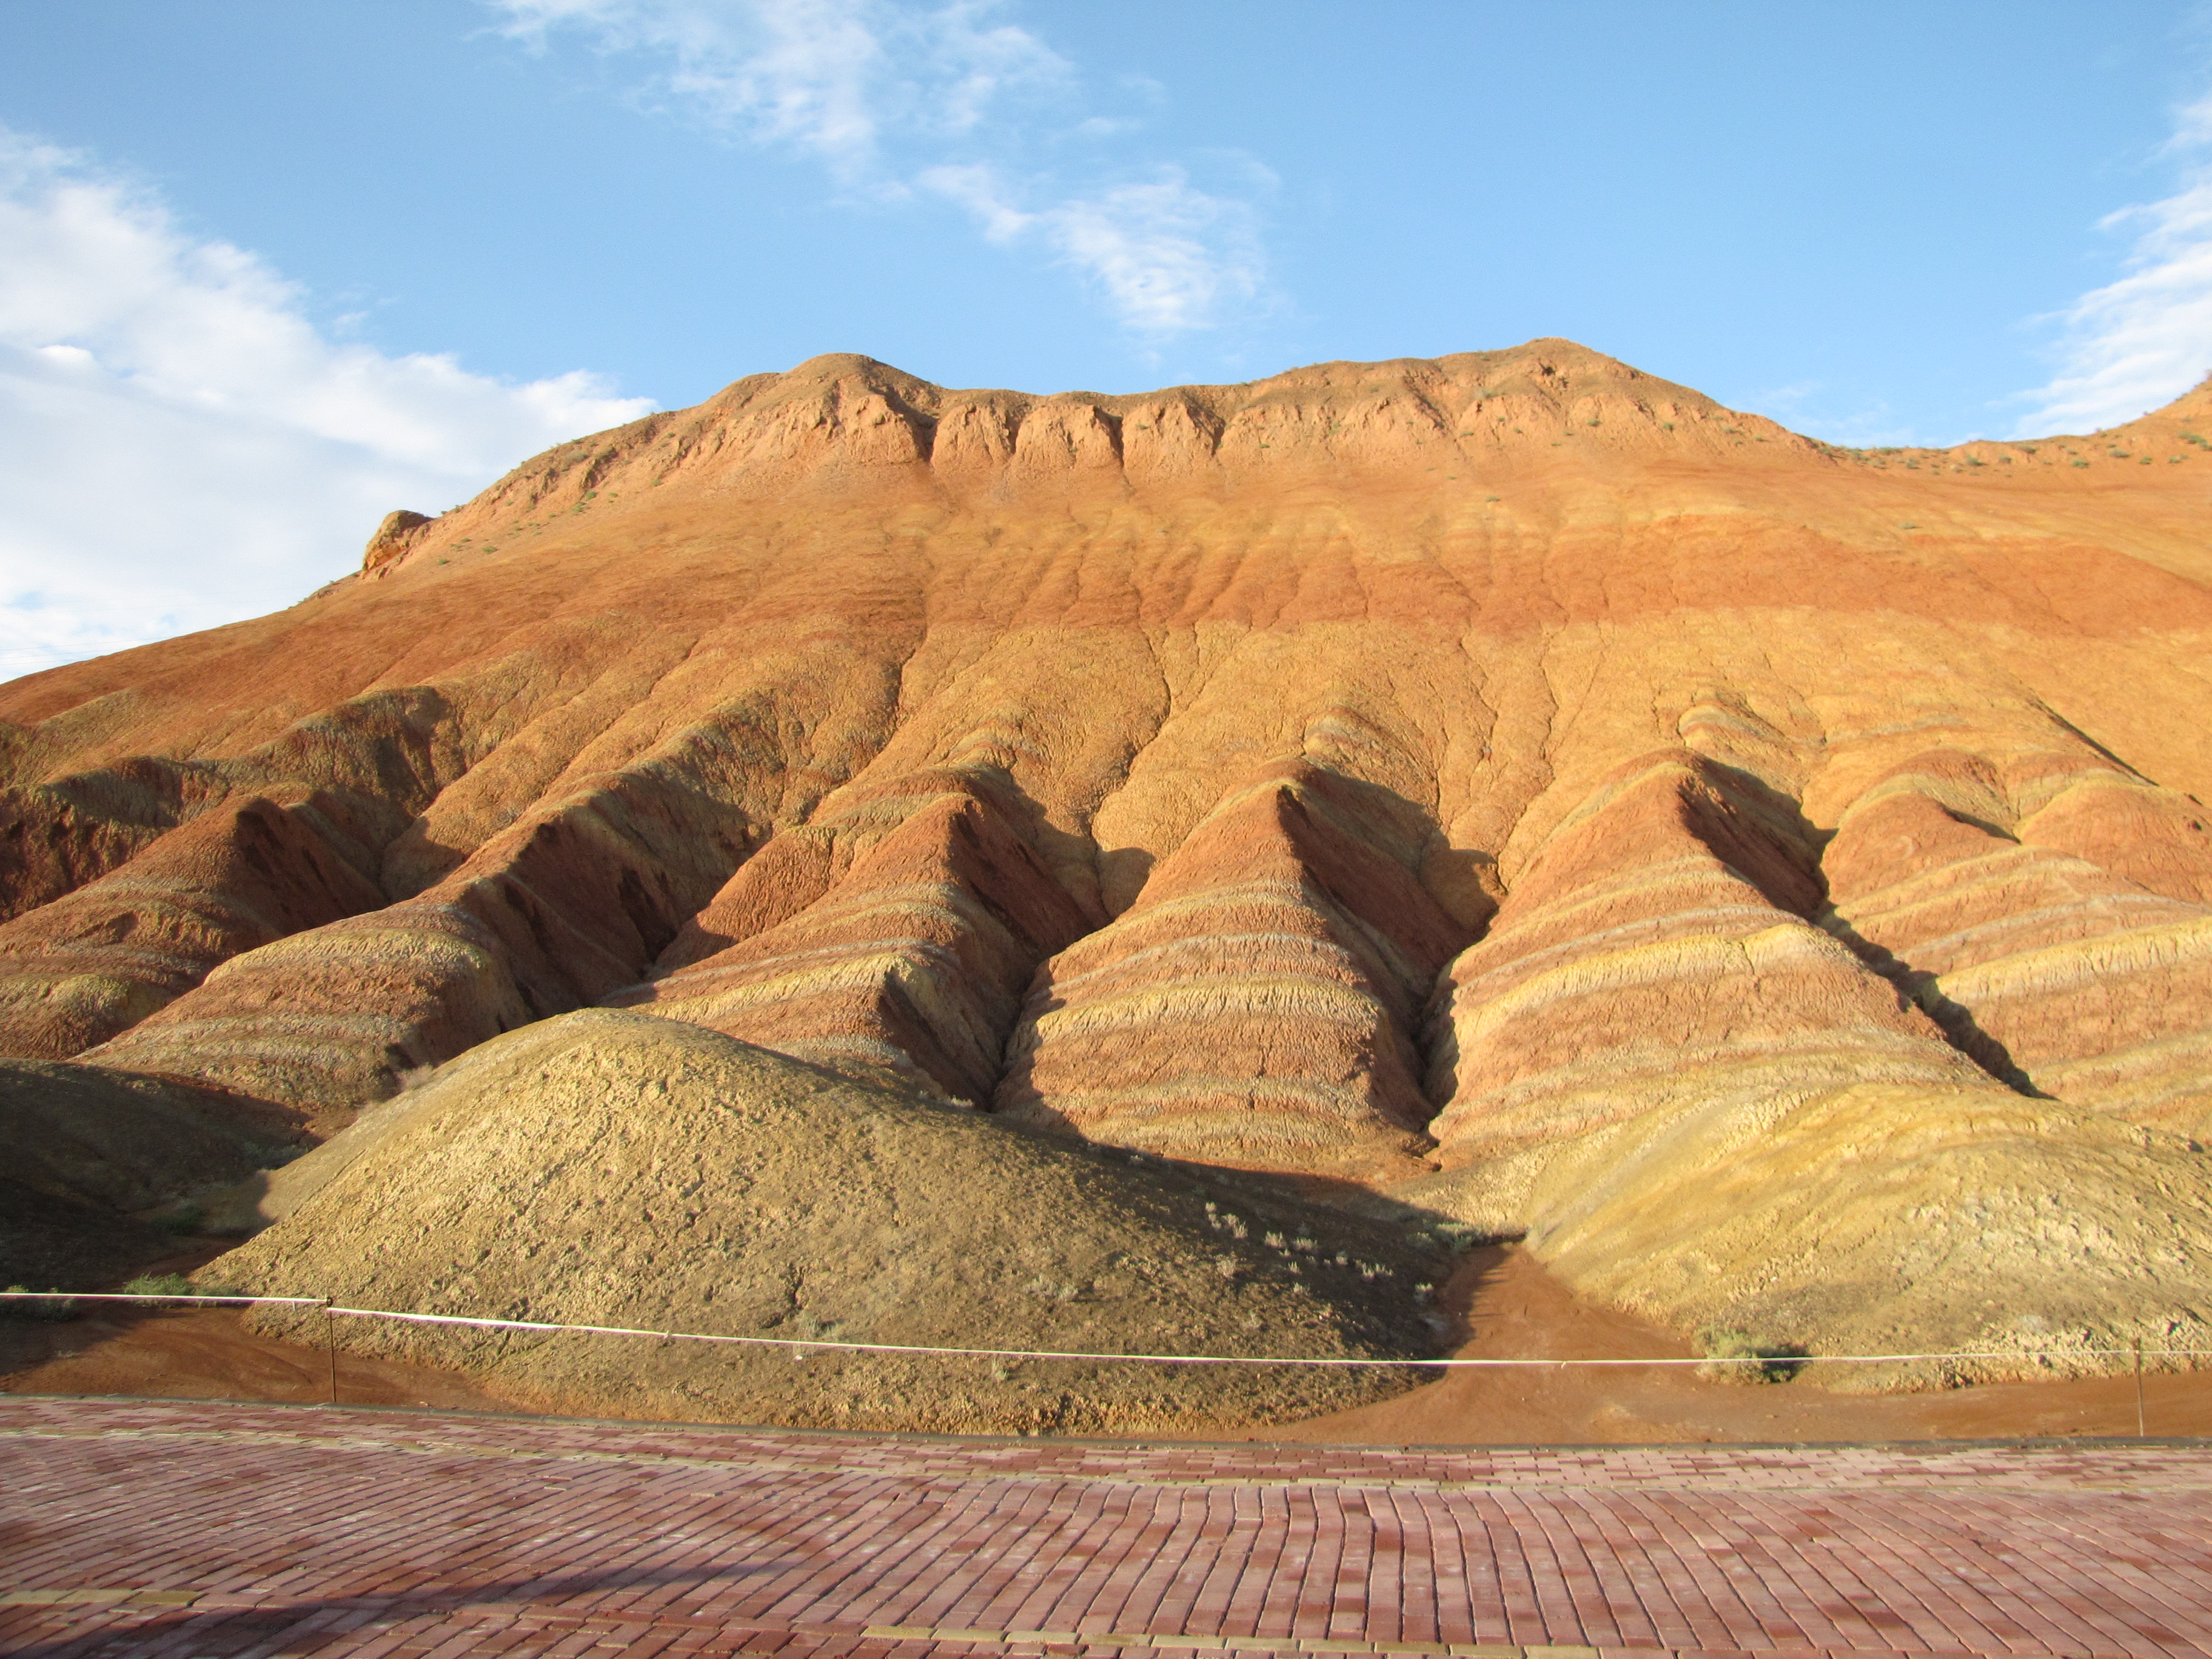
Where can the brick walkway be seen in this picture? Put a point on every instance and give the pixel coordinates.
(187, 1529)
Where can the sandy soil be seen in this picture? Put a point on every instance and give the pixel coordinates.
(1508, 1308)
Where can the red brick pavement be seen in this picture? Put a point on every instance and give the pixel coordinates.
(185, 1530)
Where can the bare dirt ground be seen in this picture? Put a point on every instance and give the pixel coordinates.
(206, 1353)
(1507, 1307)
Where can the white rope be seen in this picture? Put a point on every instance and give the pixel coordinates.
(1139, 1359)
(1234, 1359)
(181, 1295)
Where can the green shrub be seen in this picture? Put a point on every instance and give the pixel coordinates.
(158, 1285)
(1734, 1356)
(184, 1220)
(53, 1305)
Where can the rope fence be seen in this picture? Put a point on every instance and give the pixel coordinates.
(334, 1311)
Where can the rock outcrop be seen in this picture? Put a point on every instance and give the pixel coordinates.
(1511, 780)
(393, 536)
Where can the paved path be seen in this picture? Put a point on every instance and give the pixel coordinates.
(185, 1529)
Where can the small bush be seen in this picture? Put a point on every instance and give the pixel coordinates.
(1457, 1235)
(158, 1285)
(184, 1220)
(52, 1305)
(1734, 1356)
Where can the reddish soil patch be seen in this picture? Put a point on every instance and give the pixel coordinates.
(209, 1354)
(1509, 1307)
(192, 1352)
(1505, 1302)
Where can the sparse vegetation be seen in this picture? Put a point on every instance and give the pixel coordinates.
(1734, 1356)
(52, 1305)
(183, 1219)
(158, 1285)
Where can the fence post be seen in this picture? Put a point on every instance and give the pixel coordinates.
(2140, 1434)
(331, 1347)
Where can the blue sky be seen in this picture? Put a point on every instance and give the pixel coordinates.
(268, 269)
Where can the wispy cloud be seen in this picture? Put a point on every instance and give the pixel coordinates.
(2142, 341)
(180, 446)
(891, 95)
(1167, 257)
(832, 77)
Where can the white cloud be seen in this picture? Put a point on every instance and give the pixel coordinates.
(181, 446)
(834, 78)
(883, 91)
(1167, 257)
(2144, 340)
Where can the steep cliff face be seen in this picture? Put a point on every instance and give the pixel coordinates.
(1511, 774)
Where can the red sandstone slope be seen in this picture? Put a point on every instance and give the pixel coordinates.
(1478, 765)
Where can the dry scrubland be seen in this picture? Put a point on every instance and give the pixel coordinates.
(1507, 789)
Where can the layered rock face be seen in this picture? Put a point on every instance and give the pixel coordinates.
(1983, 895)
(894, 936)
(1655, 959)
(1510, 780)
(1256, 1004)
(98, 960)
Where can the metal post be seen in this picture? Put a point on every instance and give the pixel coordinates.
(2140, 1434)
(331, 1346)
